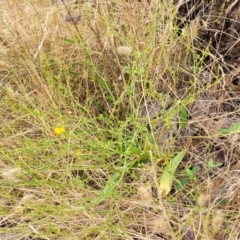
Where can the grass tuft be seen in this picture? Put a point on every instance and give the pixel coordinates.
(97, 99)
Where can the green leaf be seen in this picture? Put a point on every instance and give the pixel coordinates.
(103, 83)
(235, 128)
(108, 188)
(211, 164)
(69, 41)
(113, 181)
(167, 177)
(181, 183)
(183, 118)
(190, 172)
(143, 155)
(196, 169)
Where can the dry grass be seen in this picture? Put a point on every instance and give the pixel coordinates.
(116, 82)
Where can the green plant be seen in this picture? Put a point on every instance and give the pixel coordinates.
(77, 140)
(190, 172)
(211, 164)
(190, 175)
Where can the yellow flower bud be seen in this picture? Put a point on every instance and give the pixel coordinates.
(59, 130)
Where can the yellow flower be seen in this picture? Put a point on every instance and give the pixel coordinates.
(79, 152)
(59, 130)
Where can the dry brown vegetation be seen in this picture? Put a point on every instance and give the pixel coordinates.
(130, 84)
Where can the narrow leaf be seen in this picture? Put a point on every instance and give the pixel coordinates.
(103, 83)
(235, 128)
(167, 177)
(183, 118)
(109, 187)
(113, 181)
(144, 156)
(69, 41)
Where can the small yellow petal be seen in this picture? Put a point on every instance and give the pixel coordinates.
(59, 130)
(79, 152)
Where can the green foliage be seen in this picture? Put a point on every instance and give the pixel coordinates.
(183, 118)
(235, 128)
(167, 176)
(190, 172)
(211, 164)
(117, 175)
(75, 144)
